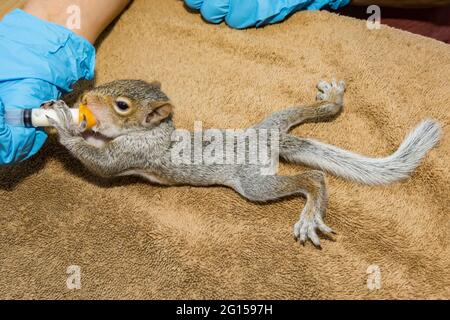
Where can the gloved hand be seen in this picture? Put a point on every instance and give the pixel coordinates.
(241, 14)
(39, 61)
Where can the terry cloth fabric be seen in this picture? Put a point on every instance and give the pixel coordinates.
(135, 240)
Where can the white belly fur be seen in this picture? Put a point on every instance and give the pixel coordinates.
(95, 141)
(145, 175)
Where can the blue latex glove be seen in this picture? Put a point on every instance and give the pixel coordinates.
(39, 61)
(241, 14)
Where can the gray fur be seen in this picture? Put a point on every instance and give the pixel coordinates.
(363, 169)
(146, 152)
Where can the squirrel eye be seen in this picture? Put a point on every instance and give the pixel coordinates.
(122, 106)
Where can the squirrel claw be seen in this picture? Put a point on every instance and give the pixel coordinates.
(52, 121)
(66, 119)
(330, 91)
(306, 229)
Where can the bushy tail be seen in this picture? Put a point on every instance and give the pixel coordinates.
(363, 169)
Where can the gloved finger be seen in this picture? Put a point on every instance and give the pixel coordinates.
(318, 4)
(333, 4)
(2, 116)
(214, 10)
(5, 138)
(194, 4)
(243, 14)
(18, 143)
(336, 4)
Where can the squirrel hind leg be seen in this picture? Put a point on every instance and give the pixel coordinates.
(287, 119)
(260, 188)
(330, 101)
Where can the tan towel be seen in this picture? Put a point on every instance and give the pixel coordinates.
(133, 239)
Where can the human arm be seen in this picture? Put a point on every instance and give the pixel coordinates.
(95, 16)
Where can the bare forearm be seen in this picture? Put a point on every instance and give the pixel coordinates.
(402, 3)
(95, 16)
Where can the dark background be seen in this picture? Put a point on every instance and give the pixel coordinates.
(430, 22)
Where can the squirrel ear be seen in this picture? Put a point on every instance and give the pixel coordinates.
(156, 84)
(160, 111)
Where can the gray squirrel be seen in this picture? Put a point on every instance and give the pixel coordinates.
(134, 136)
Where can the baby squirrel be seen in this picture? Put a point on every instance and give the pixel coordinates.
(133, 137)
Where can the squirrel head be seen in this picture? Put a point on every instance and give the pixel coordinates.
(125, 106)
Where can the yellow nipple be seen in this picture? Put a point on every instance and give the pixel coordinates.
(86, 115)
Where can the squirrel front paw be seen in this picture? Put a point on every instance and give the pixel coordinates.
(48, 104)
(64, 123)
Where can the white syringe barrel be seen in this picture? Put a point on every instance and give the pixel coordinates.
(39, 117)
(81, 116)
(35, 117)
